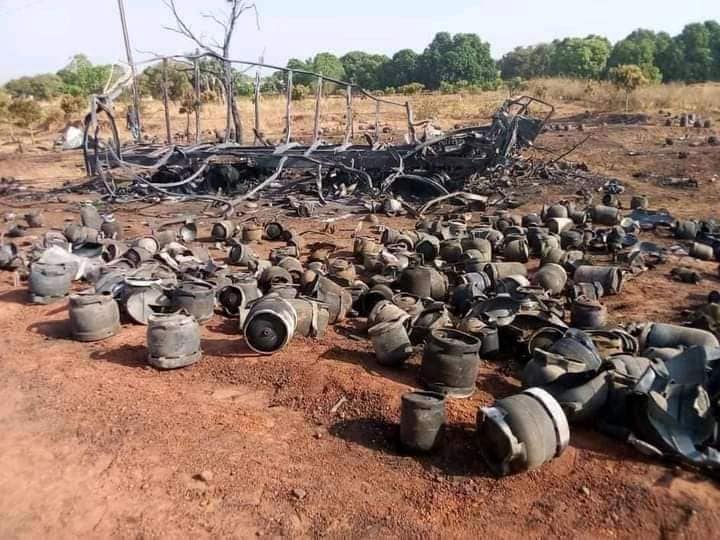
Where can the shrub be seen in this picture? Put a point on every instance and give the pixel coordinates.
(72, 105)
(411, 89)
(25, 112)
(300, 91)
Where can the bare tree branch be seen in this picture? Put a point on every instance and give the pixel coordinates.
(214, 18)
(184, 29)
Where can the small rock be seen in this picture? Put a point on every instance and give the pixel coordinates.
(586, 491)
(299, 493)
(318, 434)
(205, 476)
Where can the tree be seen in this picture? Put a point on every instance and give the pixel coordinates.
(221, 52)
(516, 63)
(81, 78)
(364, 69)
(456, 58)
(629, 77)
(323, 63)
(400, 70)
(638, 48)
(581, 57)
(669, 57)
(694, 41)
(329, 65)
(71, 105)
(45, 86)
(25, 112)
(151, 81)
(528, 62)
(713, 28)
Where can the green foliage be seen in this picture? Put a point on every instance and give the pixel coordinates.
(300, 91)
(71, 105)
(695, 41)
(639, 49)
(81, 78)
(46, 86)
(528, 62)
(244, 85)
(401, 69)
(272, 84)
(584, 58)
(324, 63)
(151, 81)
(329, 65)
(629, 77)
(364, 69)
(24, 112)
(456, 58)
(411, 88)
(515, 85)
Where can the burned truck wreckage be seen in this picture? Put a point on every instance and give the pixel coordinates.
(413, 172)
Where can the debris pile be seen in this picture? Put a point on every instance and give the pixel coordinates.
(227, 174)
(457, 289)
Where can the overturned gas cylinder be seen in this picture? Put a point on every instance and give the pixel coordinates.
(93, 317)
(522, 432)
(610, 277)
(422, 416)
(312, 317)
(173, 340)
(450, 362)
(49, 283)
(270, 324)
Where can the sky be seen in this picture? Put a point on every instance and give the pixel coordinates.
(38, 36)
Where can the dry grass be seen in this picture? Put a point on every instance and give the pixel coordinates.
(603, 96)
(445, 111)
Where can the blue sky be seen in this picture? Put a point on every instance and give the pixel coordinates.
(42, 35)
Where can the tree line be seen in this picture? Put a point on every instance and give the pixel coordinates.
(448, 63)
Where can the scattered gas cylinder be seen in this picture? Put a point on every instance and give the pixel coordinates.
(522, 432)
(173, 340)
(391, 342)
(450, 362)
(270, 324)
(93, 317)
(49, 283)
(195, 297)
(422, 416)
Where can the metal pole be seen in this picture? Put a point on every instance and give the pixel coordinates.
(288, 107)
(166, 103)
(318, 101)
(411, 122)
(198, 99)
(349, 115)
(128, 52)
(257, 106)
(377, 121)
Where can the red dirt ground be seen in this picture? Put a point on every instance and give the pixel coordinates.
(97, 444)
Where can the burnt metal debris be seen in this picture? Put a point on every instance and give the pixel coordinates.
(456, 289)
(309, 176)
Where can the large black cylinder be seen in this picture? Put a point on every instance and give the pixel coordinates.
(450, 362)
(422, 415)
